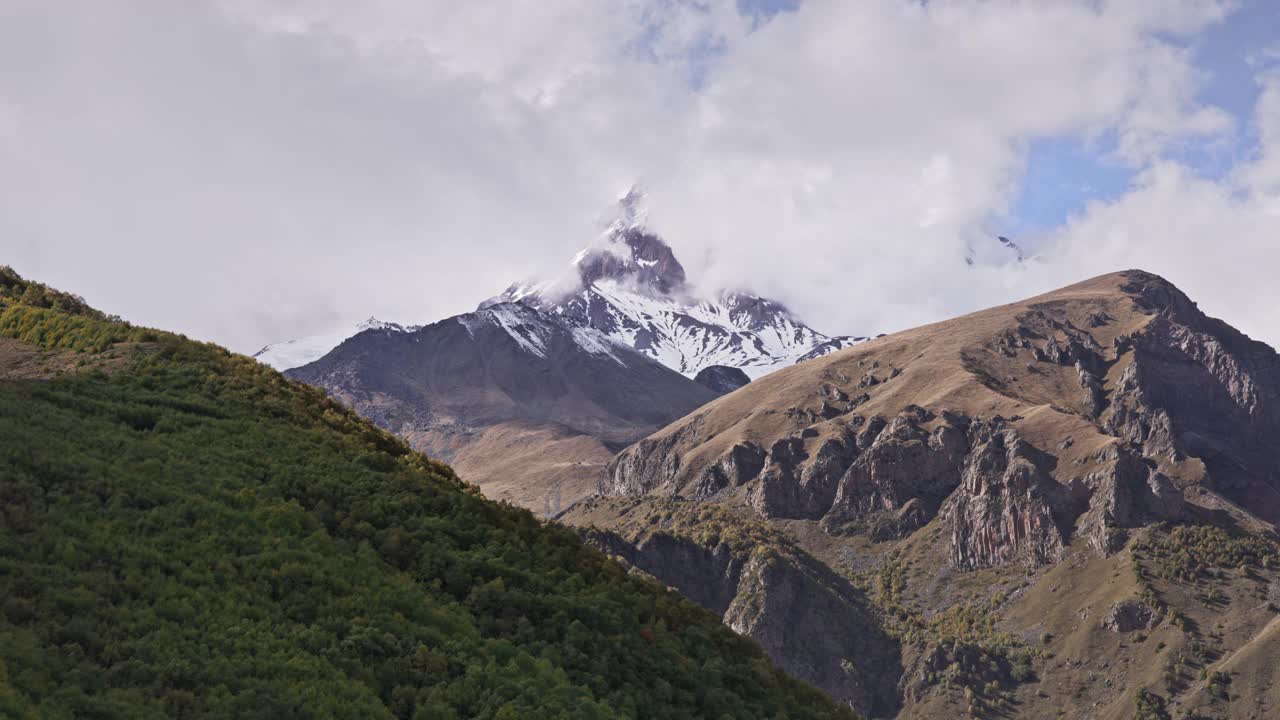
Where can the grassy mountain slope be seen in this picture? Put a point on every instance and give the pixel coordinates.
(186, 533)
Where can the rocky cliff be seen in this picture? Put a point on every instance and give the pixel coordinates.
(810, 620)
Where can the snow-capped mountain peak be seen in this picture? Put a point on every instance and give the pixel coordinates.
(627, 288)
(630, 286)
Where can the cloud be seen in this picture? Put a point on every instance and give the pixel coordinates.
(853, 151)
(248, 171)
(1217, 240)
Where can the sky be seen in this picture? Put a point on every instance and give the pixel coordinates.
(249, 171)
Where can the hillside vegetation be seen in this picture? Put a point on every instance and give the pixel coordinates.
(196, 536)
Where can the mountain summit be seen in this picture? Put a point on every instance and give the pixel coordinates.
(630, 254)
(630, 286)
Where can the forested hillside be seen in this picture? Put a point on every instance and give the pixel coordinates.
(186, 533)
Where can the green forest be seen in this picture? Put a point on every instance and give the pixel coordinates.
(188, 534)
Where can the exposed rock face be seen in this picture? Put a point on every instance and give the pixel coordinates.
(1084, 411)
(650, 262)
(1004, 509)
(740, 465)
(902, 462)
(815, 628)
(721, 378)
(1129, 493)
(810, 621)
(1194, 387)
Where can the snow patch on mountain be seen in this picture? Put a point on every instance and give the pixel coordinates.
(598, 343)
(296, 353)
(518, 323)
(534, 332)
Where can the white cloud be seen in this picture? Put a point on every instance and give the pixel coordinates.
(251, 170)
(858, 148)
(1218, 241)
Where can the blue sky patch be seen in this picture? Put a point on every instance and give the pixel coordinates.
(1063, 174)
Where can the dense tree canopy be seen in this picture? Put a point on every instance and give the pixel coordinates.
(196, 536)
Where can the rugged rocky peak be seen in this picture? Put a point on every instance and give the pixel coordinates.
(1086, 412)
(753, 312)
(635, 257)
(627, 254)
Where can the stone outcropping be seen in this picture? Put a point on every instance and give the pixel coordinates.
(1008, 506)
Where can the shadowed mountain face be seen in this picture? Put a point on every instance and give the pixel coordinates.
(503, 380)
(761, 584)
(1093, 437)
(722, 379)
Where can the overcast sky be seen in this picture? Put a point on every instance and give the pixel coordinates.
(251, 170)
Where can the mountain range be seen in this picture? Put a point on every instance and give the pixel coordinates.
(968, 517)
(548, 380)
